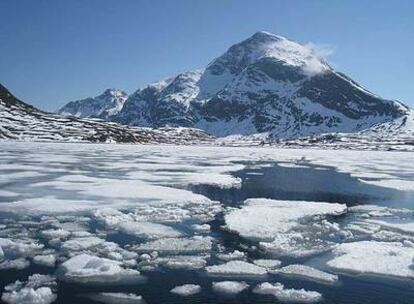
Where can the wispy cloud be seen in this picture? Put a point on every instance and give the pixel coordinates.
(321, 49)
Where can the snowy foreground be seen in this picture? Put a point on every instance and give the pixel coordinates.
(106, 216)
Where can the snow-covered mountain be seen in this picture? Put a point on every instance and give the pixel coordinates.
(102, 106)
(20, 121)
(266, 86)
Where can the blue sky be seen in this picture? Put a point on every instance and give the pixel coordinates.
(55, 51)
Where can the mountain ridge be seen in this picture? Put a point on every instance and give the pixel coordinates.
(265, 85)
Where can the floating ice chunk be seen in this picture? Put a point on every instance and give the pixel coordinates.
(201, 228)
(268, 264)
(1, 254)
(236, 268)
(89, 269)
(55, 234)
(285, 228)
(186, 290)
(41, 295)
(307, 272)
(262, 219)
(182, 262)
(296, 244)
(288, 295)
(196, 244)
(371, 257)
(147, 230)
(116, 298)
(80, 244)
(20, 263)
(19, 248)
(229, 287)
(48, 260)
(37, 290)
(235, 255)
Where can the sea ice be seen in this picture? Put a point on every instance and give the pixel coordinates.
(41, 295)
(115, 298)
(186, 290)
(147, 230)
(288, 295)
(196, 244)
(236, 268)
(235, 255)
(20, 263)
(262, 219)
(268, 264)
(370, 257)
(48, 260)
(89, 269)
(229, 287)
(39, 289)
(79, 244)
(285, 228)
(307, 272)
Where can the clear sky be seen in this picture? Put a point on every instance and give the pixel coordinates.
(55, 51)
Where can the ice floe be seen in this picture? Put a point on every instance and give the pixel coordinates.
(307, 272)
(196, 244)
(186, 290)
(236, 268)
(19, 264)
(229, 287)
(375, 258)
(48, 260)
(283, 294)
(267, 263)
(285, 228)
(115, 298)
(235, 255)
(39, 289)
(89, 269)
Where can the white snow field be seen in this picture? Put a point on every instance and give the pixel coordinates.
(113, 215)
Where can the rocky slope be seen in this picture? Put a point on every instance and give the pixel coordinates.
(20, 121)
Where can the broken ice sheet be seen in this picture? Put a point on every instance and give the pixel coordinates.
(392, 259)
(285, 228)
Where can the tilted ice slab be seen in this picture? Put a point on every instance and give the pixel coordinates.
(186, 290)
(307, 272)
(115, 298)
(89, 269)
(229, 287)
(376, 258)
(288, 295)
(285, 228)
(236, 268)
